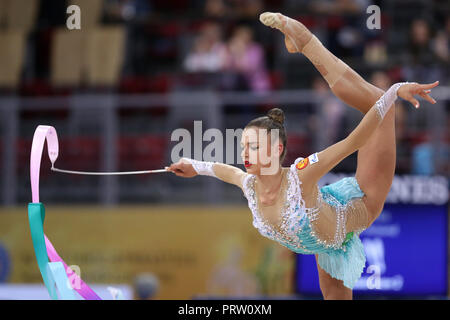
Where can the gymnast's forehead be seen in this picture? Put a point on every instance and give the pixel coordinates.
(250, 135)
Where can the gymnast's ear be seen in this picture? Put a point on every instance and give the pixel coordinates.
(279, 149)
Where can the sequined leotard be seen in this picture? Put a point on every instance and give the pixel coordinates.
(330, 229)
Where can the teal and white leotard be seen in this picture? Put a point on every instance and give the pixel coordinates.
(321, 229)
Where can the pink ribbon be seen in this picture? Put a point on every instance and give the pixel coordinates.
(75, 281)
(41, 134)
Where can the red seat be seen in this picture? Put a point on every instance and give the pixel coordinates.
(23, 152)
(160, 83)
(169, 29)
(309, 21)
(276, 79)
(125, 153)
(80, 153)
(418, 137)
(143, 152)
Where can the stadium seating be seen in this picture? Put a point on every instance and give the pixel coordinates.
(12, 44)
(19, 14)
(91, 11)
(104, 55)
(93, 57)
(67, 61)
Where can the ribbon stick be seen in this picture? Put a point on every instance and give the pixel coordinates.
(108, 173)
(51, 273)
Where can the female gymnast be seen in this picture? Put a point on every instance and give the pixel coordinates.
(287, 204)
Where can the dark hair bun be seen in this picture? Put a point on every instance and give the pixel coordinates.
(276, 114)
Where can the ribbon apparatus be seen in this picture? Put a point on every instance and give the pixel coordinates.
(60, 280)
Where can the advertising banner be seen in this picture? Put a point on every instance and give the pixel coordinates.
(192, 251)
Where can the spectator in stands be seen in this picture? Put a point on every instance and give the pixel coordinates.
(420, 42)
(246, 8)
(216, 9)
(247, 57)
(330, 114)
(422, 63)
(339, 7)
(445, 164)
(423, 159)
(127, 10)
(430, 156)
(236, 9)
(441, 43)
(427, 156)
(146, 286)
(209, 51)
(344, 18)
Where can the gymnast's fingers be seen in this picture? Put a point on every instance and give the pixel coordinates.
(179, 167)
(177, 171)
(174, 168)
(429, 85)
(427, 97)
(168, 169)
(413, 100)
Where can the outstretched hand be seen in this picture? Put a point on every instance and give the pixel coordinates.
(182, 169)
(408, 91)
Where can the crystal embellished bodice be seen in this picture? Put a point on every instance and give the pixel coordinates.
(302, 229)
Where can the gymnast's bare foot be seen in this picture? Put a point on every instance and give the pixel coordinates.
(296, 34)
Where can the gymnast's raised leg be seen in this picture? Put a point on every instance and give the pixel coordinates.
(376, 159)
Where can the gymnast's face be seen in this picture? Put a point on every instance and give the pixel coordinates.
(259, 155)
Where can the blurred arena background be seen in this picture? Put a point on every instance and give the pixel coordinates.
(139, 69)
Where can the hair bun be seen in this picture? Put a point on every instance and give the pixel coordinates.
(276, 114)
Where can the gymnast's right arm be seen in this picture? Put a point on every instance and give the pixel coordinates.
(189, 168)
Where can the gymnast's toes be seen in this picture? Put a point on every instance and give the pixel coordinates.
(271, 19)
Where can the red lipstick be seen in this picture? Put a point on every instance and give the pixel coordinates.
(247, 164)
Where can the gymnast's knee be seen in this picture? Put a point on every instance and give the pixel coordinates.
(377, 92)
(373, 93)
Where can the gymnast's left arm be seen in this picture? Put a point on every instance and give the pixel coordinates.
(328, 158)
(188, 168)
